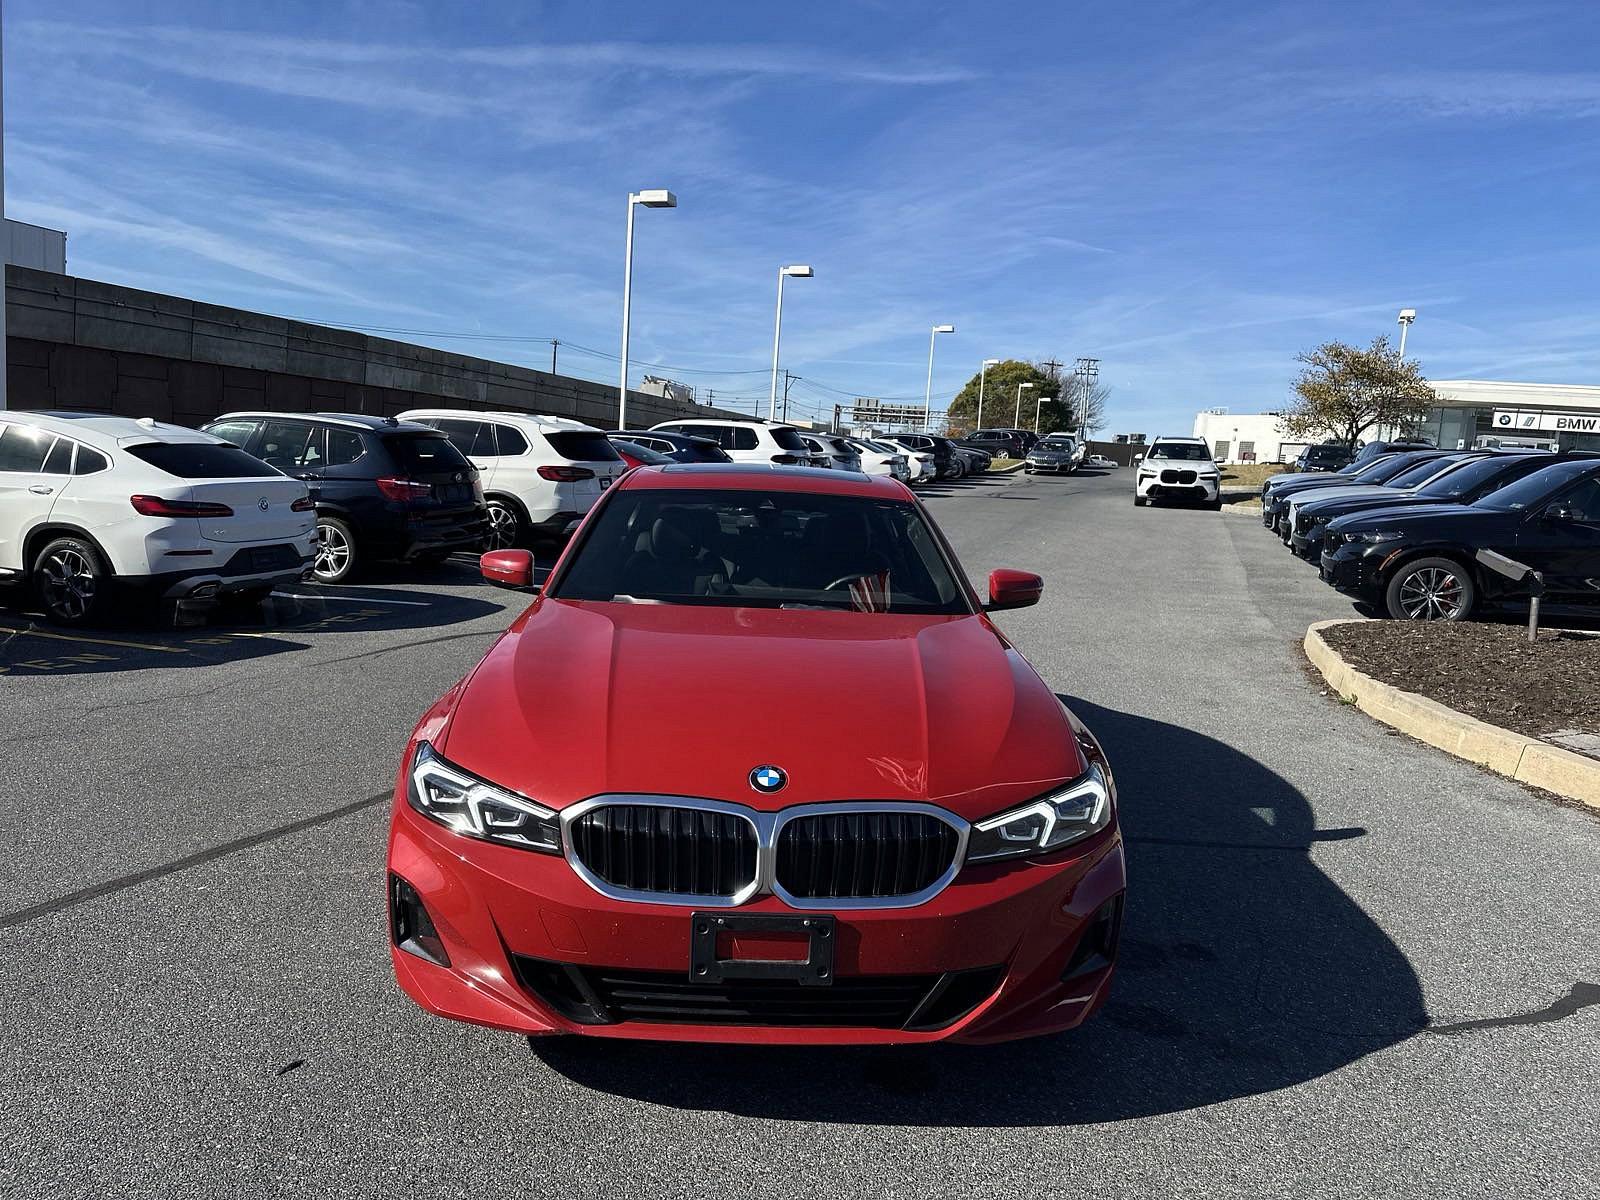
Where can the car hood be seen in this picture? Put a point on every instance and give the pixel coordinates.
(580, 699)
(1349, 492)
(1409, 516)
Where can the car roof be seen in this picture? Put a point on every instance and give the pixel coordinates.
(365, 421)
(543, 422)
(759, 477)
(753, 422)
(1193, 441)
(106, 430)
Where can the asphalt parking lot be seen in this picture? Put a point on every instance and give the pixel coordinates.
(1353, 966)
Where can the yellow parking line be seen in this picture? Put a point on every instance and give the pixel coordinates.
(70, 637)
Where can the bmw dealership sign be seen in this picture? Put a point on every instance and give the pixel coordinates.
(1559, 422)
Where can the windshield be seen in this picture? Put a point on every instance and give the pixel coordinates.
(1468, 478)
(1422, 472)
(788, 438)
(762, 549)
(1063, 444)
(1535, 488)
(203, 460)
(1180, 452)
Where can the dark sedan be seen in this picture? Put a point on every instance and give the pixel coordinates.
(1420, 563)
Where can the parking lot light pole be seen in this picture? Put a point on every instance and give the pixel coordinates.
(797, 272)
(652, 198)
(1016, 421)
(927, 396)
(1038, 406)
(1407, 315)
(982, 371)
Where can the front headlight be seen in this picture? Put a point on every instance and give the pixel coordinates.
(1055, 819)
(475, 808)
(1374, 536)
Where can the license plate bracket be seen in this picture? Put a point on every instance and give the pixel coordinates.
(707, 966)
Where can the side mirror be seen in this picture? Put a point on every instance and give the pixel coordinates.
(1138, 458)
(1559, 512)
(1013, 589)
(508, 568)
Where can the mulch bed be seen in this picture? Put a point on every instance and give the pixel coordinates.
(1487, 671)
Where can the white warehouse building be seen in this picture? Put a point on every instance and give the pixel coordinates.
(1474, 412)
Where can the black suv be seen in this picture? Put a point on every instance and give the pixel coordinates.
(1420, 562)
(384, 489)
(1329, 456)
(999, 443)
(942, 449)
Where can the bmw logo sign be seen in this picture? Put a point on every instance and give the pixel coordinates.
(768, 779)
(262, 503)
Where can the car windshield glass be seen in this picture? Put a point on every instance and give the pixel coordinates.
(1422, 472)
(788, 439)
(425, 452)
(1467, 478)
(1180, 452)
(761, 549)
(1380, 470)
(583, 445)
(203, 460)
(1055, 444)
(1533, 489)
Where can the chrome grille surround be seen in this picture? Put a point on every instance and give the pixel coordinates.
(767, 827)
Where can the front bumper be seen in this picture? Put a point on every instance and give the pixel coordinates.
(1034, 932)
(1352, 569)
(1201, 490)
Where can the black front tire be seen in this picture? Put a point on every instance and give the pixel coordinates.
(72, 580)
(1431, 589)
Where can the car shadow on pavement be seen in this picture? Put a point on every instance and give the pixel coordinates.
(291, 619)
(1243, 970)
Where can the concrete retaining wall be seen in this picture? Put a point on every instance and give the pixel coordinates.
(79, 344)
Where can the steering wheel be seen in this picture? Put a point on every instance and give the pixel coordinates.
(845, 581)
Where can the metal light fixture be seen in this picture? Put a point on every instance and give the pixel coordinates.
(650, 198)
(798, 271)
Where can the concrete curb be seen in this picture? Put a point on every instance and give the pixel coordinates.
(1514, 755)
(1010, 469)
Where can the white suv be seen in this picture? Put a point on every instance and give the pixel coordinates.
(1179, 468)
(752, 441)
(540, 474)
(89, 502)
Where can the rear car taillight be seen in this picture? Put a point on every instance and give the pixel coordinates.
(565, 474)
(791, 460)
(397, 487)
(304, 504)
(157, 506)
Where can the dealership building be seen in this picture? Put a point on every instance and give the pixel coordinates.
(1473, 412)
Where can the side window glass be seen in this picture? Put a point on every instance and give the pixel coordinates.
(59, 460)
(344, 446)
(508, 440)
(89, 461)
(1584, 502)
(237, 432)
(315, 454)
(22, 448)
(462, 434)
(283, 444)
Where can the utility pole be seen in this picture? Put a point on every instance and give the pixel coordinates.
(554, 342)
(1088, 372)
(787, 380)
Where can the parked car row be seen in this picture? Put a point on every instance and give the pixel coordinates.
(1405, 529)
(90, 503)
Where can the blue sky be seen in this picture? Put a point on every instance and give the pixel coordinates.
(1192, 192)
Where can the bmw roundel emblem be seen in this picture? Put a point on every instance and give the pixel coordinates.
(768, 779)
(263, 503)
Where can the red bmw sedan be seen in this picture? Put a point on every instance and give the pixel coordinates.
(756, 766)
